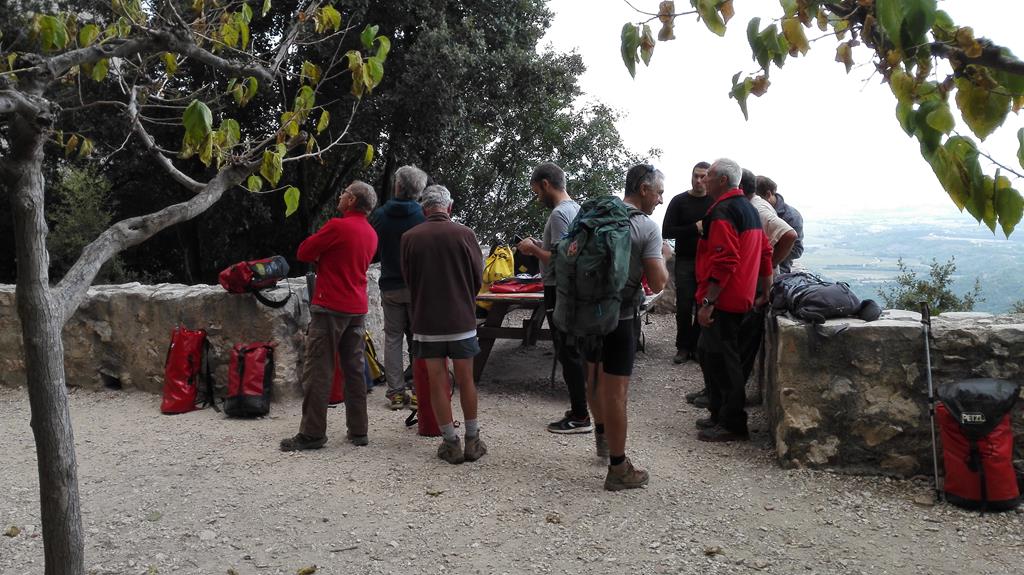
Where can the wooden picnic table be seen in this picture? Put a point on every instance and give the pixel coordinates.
(493, 329)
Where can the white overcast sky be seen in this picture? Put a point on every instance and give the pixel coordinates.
(828, 138)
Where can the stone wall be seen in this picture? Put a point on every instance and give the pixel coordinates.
(120, 333)
(852, 396)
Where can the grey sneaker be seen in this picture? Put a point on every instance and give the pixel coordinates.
(475, 448)
(625, 476)
(451, 451)
(602, 445)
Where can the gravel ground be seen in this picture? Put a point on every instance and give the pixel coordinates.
(197, 493)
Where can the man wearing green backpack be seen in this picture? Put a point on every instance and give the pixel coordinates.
(598, 268)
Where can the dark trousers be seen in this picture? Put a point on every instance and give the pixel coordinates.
(329, 334)
(687, 328)
(719, 355)
(570, 358)
(751, 336)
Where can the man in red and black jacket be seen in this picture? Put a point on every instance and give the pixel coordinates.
(734, 259)
(342, 251)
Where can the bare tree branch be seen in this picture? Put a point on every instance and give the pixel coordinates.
(147, 140)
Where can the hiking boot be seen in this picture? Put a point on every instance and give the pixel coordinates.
(706, 423)
(570, 424)
(302, 442)
(602, 445)
(396, 399)
(701, 402)
(719, 434)
(475, 448)
(412, 399)
(359, 440)
(682, 356)
(693, 395)
(625, 476)
(451, 451)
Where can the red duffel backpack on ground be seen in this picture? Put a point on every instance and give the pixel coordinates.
(185, 365)
(256, 275)
(250, 380)
(977, 444)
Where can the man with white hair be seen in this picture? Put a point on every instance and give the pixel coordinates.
(342, 251)
(443, 267)
(734, 258)
(397, 216)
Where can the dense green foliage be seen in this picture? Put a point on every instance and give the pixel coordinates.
(933, 66)
(909, 289)
(80, 209)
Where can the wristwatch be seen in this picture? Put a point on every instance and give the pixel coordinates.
(707, 302)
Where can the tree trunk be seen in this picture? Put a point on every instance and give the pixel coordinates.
(41, 323)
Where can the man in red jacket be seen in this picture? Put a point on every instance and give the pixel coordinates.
(734, 258)
(443, 267)
(342, 251)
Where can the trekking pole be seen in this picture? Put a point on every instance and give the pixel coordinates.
(926, 324)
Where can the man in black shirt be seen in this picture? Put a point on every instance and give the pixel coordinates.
(683, 224)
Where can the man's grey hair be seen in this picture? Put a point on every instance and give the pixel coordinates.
(366, 198)
(436, 197)
(409, 183)
(730, 169)
(639, 175)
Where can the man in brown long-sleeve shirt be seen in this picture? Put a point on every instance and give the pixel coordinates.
(443, 267)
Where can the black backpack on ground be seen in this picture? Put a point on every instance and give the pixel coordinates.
(806, 296)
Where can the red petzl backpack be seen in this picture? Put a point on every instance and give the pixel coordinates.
(250, 380)
(185, 365)
(254, 276)
(977, 444)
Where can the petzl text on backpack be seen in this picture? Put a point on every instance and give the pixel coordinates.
(254, 276)
(591, 267)
(184, 367)
(250, 380)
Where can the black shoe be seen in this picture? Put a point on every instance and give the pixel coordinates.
(302, 442)
(569, 424)
(693, 395)
(718, 434)
(706, 423)
(359, 440)
(682, 356)
(702, 402)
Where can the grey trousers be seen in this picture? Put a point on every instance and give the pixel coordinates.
(329, 334)
(397, 330)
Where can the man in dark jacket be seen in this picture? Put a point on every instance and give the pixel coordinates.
(682, 224)
(342, 251)
(766, 188)
(392, 220)
(443, 267)
(734, 259)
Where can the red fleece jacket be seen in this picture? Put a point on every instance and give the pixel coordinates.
(342, 250)
(733, 252)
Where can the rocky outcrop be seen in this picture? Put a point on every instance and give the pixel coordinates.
(852, 395)
(119, 335)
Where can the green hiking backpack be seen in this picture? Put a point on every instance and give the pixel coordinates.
(591, 267)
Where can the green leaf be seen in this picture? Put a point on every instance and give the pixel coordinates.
(270, 167)
(646, 45)
(902, 85)
(630, 42)
(87, 35)
(170, 63)
(708, 10)
(99, 70)
(254, 183)
(206, 150)
(232, 132)
(890, 18)
(243, 32)
(1020, 147)
(905, 115)
(331, 18)
(85, 150)
(266, 8)
(291, 200)
(741, 91)
(325, 119)
(383, 48)
(367, 36)
(941, 118)
(246, 13)
(376, 71)
(1008, 204)
(983, 110)
(229, 33)
(905, 22)
(71, 145)
(368, 156)
(789, 7)
(198, 120)
(290, 124)
(53, 34)
(311, 72)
